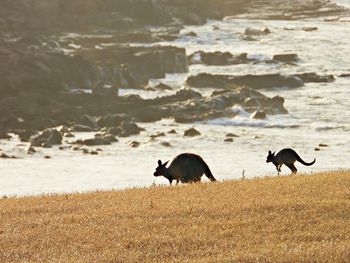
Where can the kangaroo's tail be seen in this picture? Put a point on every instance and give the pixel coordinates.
(208, 172)
(303, 162)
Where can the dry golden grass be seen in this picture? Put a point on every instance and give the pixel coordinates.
(282, 219)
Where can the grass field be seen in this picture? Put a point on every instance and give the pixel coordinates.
(303, 218)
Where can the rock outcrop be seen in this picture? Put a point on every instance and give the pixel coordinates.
(46, 138)
(50, 77)
(253, 81)
(218, 58)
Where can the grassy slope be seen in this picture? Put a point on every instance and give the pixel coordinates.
(282, 219)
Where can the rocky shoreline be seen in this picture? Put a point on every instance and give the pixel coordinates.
(52, 77)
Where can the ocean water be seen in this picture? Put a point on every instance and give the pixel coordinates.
(319, 113)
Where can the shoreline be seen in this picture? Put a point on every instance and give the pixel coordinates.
(164, 184)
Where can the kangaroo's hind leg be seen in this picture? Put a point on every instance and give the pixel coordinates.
(292, 167)
(278, 168)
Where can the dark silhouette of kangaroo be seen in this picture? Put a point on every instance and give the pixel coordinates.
(186, 168)
(288, 158)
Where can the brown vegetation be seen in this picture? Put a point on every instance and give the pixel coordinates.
(304, 218)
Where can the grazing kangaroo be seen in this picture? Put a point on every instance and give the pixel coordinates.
(286, 157)
(186, 167)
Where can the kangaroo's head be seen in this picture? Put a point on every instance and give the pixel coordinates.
(160, 170)
(270, 157)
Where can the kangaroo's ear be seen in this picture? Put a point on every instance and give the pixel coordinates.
(164, 164)
(269, 152)
(273, 153)
(159, 162)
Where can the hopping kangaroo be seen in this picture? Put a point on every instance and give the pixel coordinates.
(186, 167)
(288, 158)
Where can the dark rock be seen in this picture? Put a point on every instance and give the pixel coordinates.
(267, 81)
(286, 57)
(344, 75)
(253, 81)
(46, 138)
(106, 90)
(92, 142)
(24, 135)
(112, 130)
(47, 157)
(159, 134)
(68, 135)
(219, 92)
(191, 34)
(314, 77)
(273, 105)
(213, 58)
(89, 121)
(260, 115)
(5, 136)
(333, 19)
(63, 148)
(185, 115)
(165, 144)
(134, 144)
(308, 29)
(228, 140)
(81, 128)
(85, 151)
(129, 128)
(112, 120)
(249, 38)
(219, 105)
(185, 94)
(107, 137)
(193, 19)
(62, 129)
(167, 37)
(143, 36)
(5, 156)
(139, 64)
(218, 58)
(75, 148)
(163, 107)
(107, 16)
(323, 145)
(208, 80)
(231, 135)
(172, 131)
(31, 149)
(162, 86)
(151, 113)
(191, 132)
(256, 32)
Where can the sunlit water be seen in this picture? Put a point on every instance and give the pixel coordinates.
(318, 113)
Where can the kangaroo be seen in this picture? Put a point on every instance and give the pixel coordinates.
(286, 157)
(186, 168)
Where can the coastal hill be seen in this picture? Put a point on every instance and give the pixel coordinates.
(303, 218)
